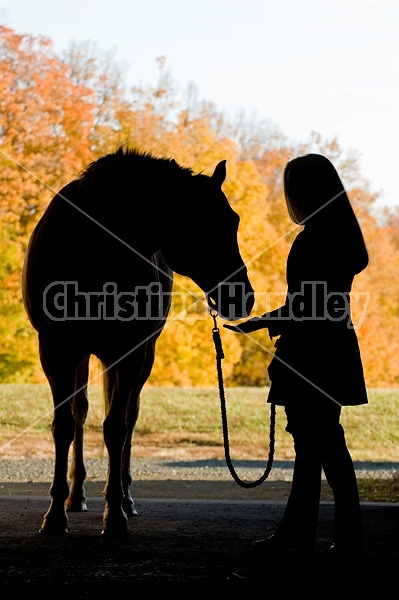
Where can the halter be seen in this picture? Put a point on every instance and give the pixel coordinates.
(219, 357)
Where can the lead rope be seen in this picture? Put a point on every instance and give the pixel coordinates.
(219, 357)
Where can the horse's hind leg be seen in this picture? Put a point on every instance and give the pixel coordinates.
(59, 367)
(76, 500)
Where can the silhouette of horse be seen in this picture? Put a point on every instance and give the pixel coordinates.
(110, 237)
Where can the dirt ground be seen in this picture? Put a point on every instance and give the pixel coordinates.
(191, 539)
(190, 547)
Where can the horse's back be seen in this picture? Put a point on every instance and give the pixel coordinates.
(69, 244)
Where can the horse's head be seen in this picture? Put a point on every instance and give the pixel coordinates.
(202, 243)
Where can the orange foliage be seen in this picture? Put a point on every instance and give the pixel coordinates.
(57, 113)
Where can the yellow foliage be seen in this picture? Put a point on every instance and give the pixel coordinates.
(59, 113)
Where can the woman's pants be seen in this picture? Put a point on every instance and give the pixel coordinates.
(320, 444)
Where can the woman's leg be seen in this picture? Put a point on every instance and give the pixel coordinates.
(298, 527)
(300, 518)
(341, 477)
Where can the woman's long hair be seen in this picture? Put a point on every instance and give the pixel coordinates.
(316, 197)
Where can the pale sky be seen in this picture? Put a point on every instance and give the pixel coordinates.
(308, 65)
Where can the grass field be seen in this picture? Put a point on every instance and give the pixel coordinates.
(188, 420)
(191, 417)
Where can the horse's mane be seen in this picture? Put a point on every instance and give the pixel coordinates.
(130, 162)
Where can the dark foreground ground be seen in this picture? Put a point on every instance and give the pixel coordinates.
(187, 548)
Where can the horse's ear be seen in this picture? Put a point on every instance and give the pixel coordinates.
(219, 174)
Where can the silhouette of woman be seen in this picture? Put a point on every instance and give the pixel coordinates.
(317, 365)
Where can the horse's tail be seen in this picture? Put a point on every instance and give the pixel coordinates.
(109, 382)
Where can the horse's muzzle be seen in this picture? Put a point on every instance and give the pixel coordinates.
(232, 300)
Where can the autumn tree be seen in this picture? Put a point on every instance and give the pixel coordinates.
(45, 122)
(60, 112)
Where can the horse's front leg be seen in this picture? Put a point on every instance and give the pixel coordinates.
(132, 414)
(76, 500)
(131, 418)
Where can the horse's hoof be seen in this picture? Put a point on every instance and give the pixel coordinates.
(54, 524)
(108, 533)
(115, 527)
(47, 530)
(72, 505)
(129, 507)
(131, 512)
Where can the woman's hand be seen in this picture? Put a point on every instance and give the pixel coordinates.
(248, 326)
